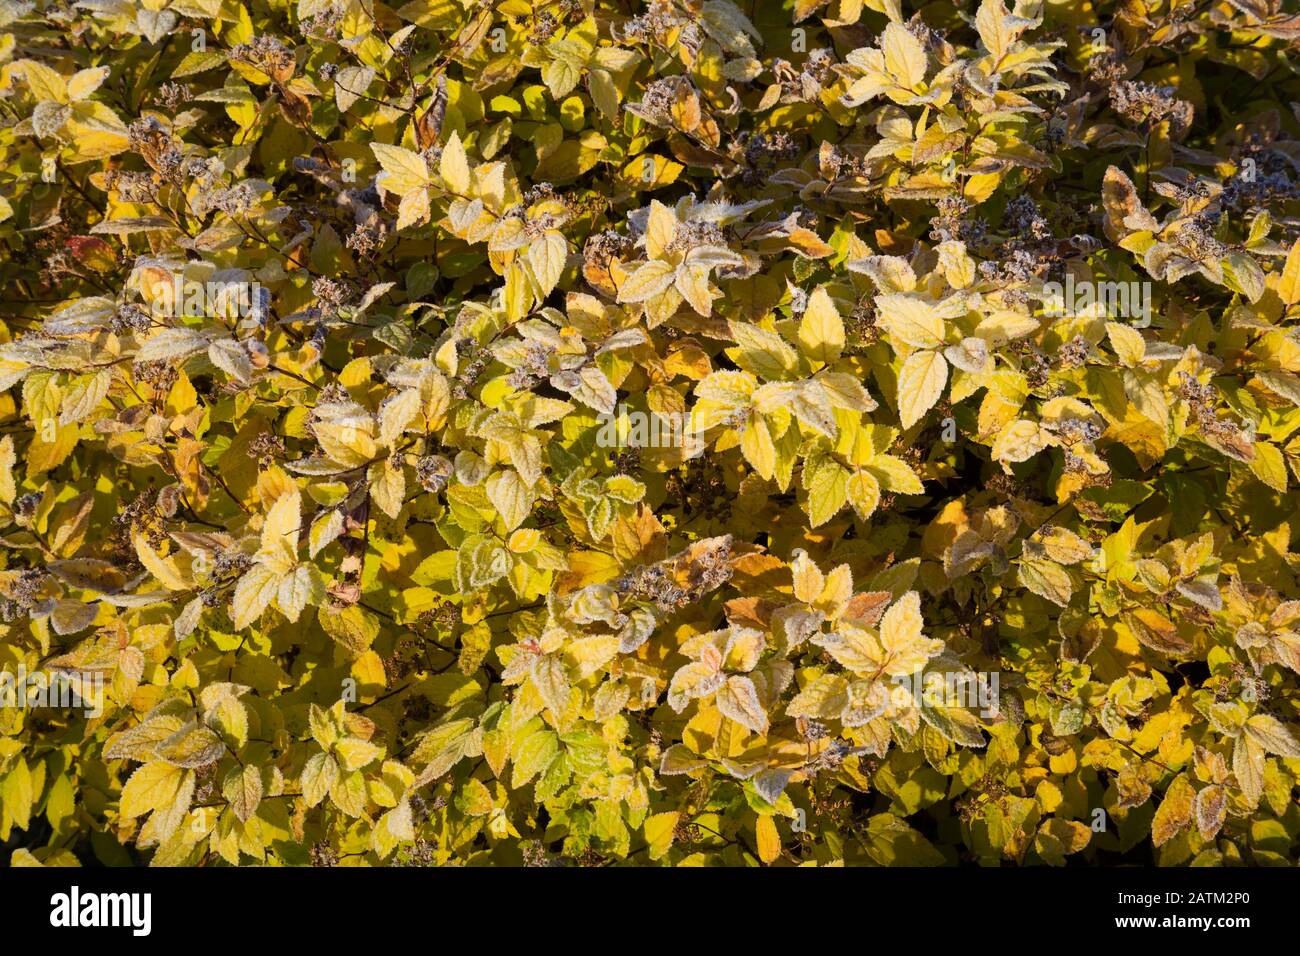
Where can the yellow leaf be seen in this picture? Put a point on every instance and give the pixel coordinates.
(821, 330)
(895, 475)
(647, 282)
(8, 488)
(85, 82)
(1174, 812)
(510, 496)
(920, 383)
(906, 648)
(660, 228)
(1063, 545)
(348, 441)
(990, 22)
(413, 209)
(1269, 466)
(910, 319)
(769, 841)
(354, 753)
(904, 55)
(738, 699)
(153, 786)
(192, 746)
(396, 414)
(368, 669)
(808, 578)
(649, 171)
(763, 352)
(45, 83)
(1046, 579)
(242, 788)
(454, 166)
(827, 485)
(1020, 440)
(388, 485)
(757, 446)
(693, 283)
(864, 493)
(825, 698)
(547, 259)
(552, 682)
(164, 569)
(1288, 286)
(297, 589)
(319, 774)
(283, 524)
(403, 171)
(254, 592)
(17, 794)
(43, 455)
(659, 831)
(1127, 343)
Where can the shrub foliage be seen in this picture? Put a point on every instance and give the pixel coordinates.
(685, 432)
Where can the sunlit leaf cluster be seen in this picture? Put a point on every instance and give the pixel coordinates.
(686, 432)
